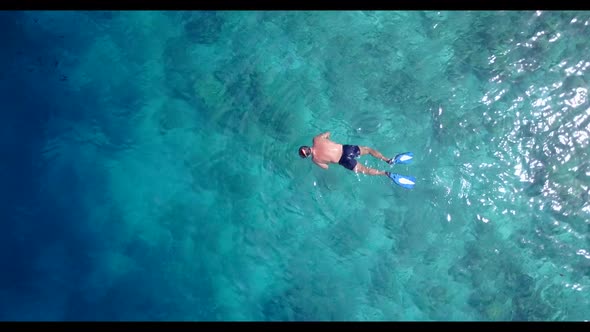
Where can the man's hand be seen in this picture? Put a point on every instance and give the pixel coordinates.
(322, 165)
(325, 135)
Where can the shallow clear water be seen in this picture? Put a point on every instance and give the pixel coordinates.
(151, 168)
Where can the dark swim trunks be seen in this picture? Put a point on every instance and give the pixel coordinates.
(349, 152)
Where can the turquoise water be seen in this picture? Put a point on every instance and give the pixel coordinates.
(166, 158)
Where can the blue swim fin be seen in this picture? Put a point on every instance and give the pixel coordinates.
(404, 181)
(402, 158)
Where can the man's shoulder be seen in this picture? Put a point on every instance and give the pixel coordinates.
(321, 138)
(321, 135)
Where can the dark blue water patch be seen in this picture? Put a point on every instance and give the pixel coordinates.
(36, 49)
(45, 74)
(148, 292)
(179, 71)
(38, 215)
(49, 223)
(57, 216)
(203, 27)
(35, 76)
(11, 27)
(102, 16)
(127, 299)
(46, 239)
(124, 110)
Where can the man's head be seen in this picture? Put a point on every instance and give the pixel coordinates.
(304, 151)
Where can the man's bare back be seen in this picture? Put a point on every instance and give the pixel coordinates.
(324, 152)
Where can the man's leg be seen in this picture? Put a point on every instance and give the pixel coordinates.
(374, 153)
(366, 170)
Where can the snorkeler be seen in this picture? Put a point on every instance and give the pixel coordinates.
(324, 152)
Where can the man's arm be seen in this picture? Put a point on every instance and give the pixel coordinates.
(325, 135)
(322, 165)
